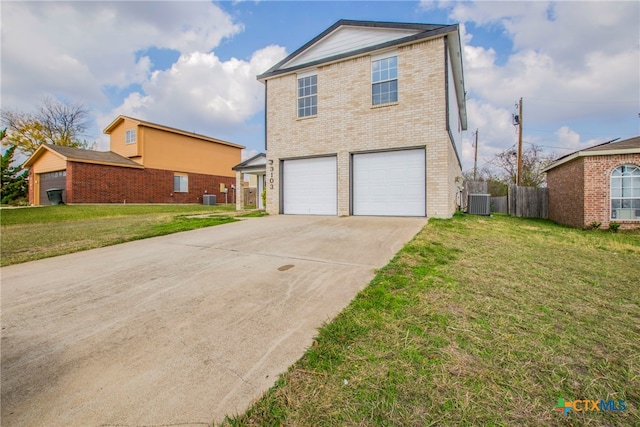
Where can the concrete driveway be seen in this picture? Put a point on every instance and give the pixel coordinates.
(180, 329)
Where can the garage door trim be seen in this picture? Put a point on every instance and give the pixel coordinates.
(281, 175)
(383, 150)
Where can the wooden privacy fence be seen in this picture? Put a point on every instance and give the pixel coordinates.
(528, 202)
(500, 204)
(250, 196)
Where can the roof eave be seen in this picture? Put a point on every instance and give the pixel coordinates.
(455, 51)
(98, 162)
(425, 35)
(38, 153)
(590, 154)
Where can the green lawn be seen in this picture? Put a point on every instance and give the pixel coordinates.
(40, 232)
(477, 322)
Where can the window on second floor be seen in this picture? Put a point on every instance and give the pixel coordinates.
(308, 96)
(130, 136)
(384, 80)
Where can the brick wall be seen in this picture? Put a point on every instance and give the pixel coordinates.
(347, 122)
(92, 183)
(566, 193)
(597, 191)
(579, 190)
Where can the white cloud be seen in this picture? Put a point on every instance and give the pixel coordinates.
(80, 47)
(572, 62)
(201, 93)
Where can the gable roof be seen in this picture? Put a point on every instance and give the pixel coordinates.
(145, 123)
(257, 163)
(347, 38)
(82, 156)
(609, 148)
(350, 38)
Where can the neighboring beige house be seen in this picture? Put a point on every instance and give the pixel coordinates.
(600, 184)
(366, 119)
(147, 163)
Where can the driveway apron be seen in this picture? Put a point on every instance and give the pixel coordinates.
(181, 329)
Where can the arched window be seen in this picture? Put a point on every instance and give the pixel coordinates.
(625, 192)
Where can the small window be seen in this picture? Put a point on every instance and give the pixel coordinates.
(384, 80)
(308, 96)
(180, 183)
(625, 192)
(130, 136)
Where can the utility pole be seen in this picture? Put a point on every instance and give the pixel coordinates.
(475, 158)
(519, 176)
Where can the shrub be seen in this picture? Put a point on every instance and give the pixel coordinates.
(594, 225)
(614, 226)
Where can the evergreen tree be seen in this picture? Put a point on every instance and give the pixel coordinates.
(13, 184)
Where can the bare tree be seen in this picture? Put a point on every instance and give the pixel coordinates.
(54, 122)
(534, 160)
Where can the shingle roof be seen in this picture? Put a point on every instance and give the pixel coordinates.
(425, 31)
(250, 164)
(118, 119)
(626, 146)
(83, 156)
(617, 145)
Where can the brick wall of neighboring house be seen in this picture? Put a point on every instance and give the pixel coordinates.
(92, 183)
(579, 190)
(597, 191)
(347, 122)
(566, 193)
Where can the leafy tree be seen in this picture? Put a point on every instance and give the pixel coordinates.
(54, 122)
(13, 184)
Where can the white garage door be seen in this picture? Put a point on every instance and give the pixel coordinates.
(309, 186)
(389, 183)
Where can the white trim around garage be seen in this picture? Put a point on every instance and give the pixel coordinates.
(309, 186)
(389, 183)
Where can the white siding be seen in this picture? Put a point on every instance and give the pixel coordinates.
(455, 124)
(348, 39)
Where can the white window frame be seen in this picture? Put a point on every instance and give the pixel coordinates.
(130, 136)
(384, 79)
(182, 184)
(310, 98)
(627, 196)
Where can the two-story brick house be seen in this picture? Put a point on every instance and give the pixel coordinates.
(366, 119)
(147, 163)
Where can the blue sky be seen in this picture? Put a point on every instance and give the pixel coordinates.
(192, 65)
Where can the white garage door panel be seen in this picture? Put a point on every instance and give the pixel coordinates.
(309, 186)
(390, 183)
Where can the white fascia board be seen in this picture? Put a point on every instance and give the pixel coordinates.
(591, 154)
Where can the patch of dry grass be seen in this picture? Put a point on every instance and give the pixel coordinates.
(35, 233)
(477, 321)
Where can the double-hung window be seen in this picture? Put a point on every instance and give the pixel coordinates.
(384, 79)
(130, 136)
(625, 192)
(307, 95)
(180, 183)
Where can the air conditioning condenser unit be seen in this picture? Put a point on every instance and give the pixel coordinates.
(209, 199)
(479, 204)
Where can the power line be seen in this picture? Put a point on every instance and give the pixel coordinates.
(584, 102)
(549, 146)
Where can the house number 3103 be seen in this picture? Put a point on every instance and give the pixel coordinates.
(270, 177)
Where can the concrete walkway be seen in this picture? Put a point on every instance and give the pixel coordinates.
(180, 329)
